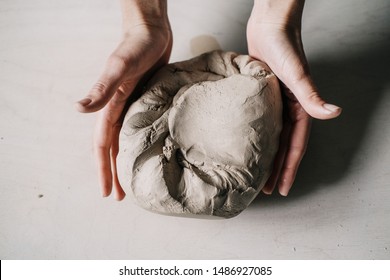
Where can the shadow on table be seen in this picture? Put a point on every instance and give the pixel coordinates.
(357, 84)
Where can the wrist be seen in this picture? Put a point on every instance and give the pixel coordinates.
(284, 13)
(140, 12)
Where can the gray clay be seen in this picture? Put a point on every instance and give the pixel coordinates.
(202, 137)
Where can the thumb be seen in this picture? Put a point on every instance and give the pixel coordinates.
(307, 94)
(106, 86)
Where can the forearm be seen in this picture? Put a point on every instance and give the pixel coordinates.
(149, 12)
(281, 12)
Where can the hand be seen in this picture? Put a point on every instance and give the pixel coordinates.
(274, 36)
(146, 46)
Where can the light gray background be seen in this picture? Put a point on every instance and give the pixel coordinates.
(51, 52)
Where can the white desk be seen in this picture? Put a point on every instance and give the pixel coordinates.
(51, 52)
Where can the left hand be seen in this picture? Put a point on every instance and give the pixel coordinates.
(274, 36)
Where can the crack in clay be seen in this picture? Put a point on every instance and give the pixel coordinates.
(202, 138)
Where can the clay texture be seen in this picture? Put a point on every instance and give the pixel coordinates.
(202, 137)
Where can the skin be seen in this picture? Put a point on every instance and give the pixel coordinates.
(274, 36)
(146, 46)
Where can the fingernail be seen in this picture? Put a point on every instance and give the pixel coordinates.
(283, 193)
(267, 192)
(84, 102)
(331, 108)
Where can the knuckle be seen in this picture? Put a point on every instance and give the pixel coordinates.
(296, 156)
(99, 149)
(284, 181)
(120, 96)
(117, 60)
(299, 73)
(313, 96)
(120, 64)
(99, 88)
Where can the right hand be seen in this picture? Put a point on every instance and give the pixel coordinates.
(144, 49)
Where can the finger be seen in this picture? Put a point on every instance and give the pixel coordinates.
(119, 192)
(104, 171)
(309, 98)
(279, 160)
(102, 145)
(297, 78)
(106, 138)
(296, 149)
(106, 86)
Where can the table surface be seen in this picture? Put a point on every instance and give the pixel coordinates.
(51, 52)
